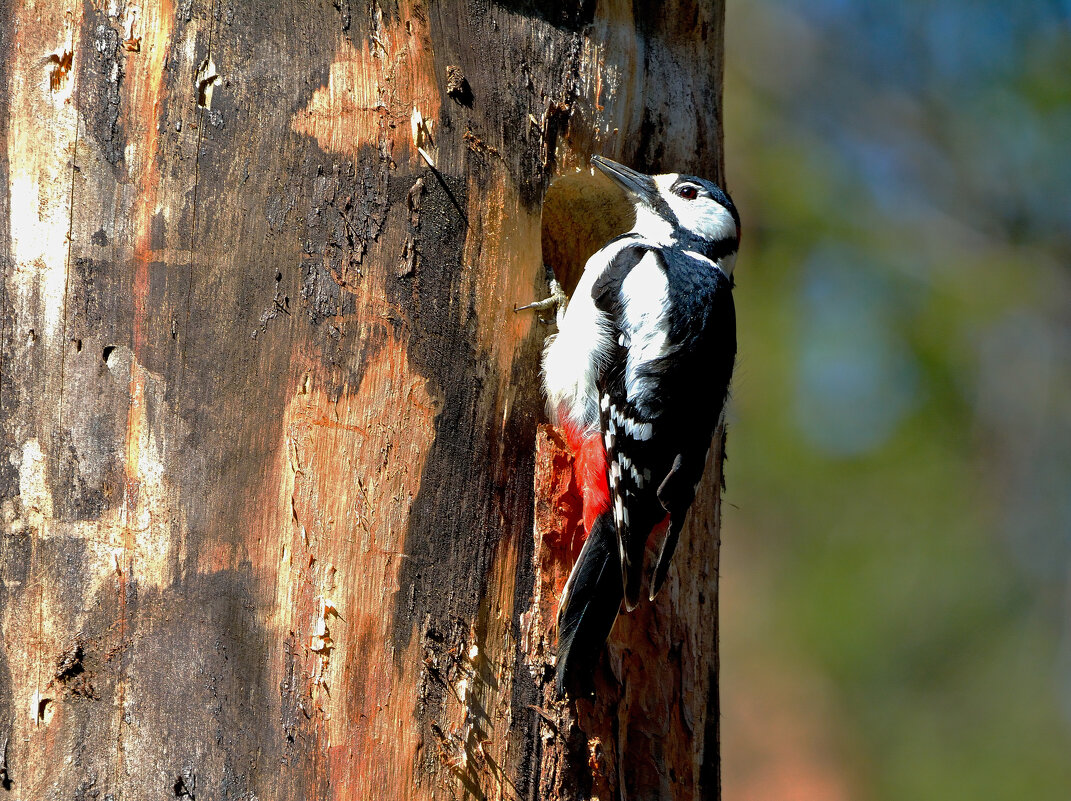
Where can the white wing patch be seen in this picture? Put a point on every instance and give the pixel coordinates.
(645, 306)
(625, 477)
(641, 432)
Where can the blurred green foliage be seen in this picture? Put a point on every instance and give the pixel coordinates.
(900, 446)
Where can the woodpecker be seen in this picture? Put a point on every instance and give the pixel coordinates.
(637, 377)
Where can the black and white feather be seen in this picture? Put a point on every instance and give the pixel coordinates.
(673, 321)
(643, 358)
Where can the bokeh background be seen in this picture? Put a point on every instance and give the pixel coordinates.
(896, 607)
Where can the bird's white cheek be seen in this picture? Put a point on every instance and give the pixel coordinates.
(715, 222)
(704, 216)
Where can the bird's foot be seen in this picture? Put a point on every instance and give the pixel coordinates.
(556, 301)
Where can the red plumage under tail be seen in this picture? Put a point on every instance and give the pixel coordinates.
(589, 470)
(588, 608)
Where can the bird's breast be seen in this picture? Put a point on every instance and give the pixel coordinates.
(574, 357)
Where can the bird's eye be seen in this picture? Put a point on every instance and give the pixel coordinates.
(688, 192)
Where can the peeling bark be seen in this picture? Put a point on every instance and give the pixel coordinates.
(268, 476)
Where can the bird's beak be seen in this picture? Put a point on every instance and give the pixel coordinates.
(635, 183)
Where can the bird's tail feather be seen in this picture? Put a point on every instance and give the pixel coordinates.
(588, 608)
(669, 545)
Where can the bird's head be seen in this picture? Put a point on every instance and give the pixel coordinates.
(683, 210)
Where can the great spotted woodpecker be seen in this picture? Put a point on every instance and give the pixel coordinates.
(637, 377)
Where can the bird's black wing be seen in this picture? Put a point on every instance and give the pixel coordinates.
(698, 390)
(636, 456)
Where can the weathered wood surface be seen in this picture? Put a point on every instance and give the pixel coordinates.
(268, 420)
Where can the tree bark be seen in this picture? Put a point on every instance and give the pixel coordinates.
(269, 422)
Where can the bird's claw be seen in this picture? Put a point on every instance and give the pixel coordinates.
(557, 301)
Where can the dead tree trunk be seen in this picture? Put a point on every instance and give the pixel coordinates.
(269, 421)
